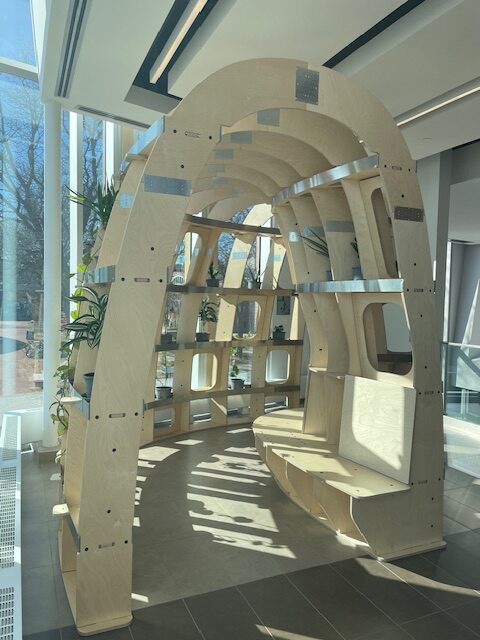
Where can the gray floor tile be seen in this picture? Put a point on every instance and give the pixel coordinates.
(462, 514)
(458, 478)
(451, 526)
(53, 634)
(398, 600)
(333, 597)
(469, 496)
(71, 633)
(439, 626)
(225, 614)
(171, 620)
(468, 541)
(433, 582)
(283, 610)
(392, 633)
(39, 607)
(458, 563)
(468, 615)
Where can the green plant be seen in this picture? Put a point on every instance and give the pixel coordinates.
(163, 369)
(278, 327)
(87, 326)
(208, 311)
(253, 275)
(354, 246)
(59, 413)
(102, 206)
(234, 370)
(316, 243)
(213, 272)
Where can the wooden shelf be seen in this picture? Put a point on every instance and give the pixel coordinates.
(213, 344)
(77, 401)
(233, 227)
(227, 291)
(331, 374)
(386, 285)
(356, 170)
(202, 395)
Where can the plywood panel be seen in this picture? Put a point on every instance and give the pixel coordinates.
(377, 426)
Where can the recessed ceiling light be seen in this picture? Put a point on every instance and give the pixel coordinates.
(440, 105)
(189, 16)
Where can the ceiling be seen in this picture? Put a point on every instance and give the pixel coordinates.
(428, 53)
(464, 222)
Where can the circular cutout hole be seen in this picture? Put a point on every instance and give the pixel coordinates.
(86, 548)
(174, 131)
(109, 511)
(113, 450)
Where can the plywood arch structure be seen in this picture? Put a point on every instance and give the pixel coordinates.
(365, 456)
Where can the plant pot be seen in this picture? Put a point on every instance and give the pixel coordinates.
(166, 338)
(237, 383)
(278, 335)
(253, 284)
(357, 273)
(329, 275)
(88, 379)
(163, 393)
(213, 282)
(202, 336)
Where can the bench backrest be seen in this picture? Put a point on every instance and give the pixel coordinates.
(377, 426)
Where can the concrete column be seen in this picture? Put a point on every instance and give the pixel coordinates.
(434, 175)
(76, 183)
(52, 265)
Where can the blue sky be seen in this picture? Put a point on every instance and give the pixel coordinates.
(16, 36)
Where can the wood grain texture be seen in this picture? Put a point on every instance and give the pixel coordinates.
(101, 459)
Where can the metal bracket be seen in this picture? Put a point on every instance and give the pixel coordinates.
(409, 214)
(241, 137)
(170, 186)
(306, 85)
(269, 117)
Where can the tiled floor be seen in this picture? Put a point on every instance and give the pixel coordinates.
(216, 532)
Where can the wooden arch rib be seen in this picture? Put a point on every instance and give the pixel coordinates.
(101, 462)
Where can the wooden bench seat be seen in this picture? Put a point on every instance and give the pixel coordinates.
(280, 432)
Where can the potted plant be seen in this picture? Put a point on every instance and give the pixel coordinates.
(213, 273)
(88, 326)
(254, 278)
(278, 332)
(163, 391)
(101, 207)
(237, 383)
(208, 312)
(356, 271)
(319, 245)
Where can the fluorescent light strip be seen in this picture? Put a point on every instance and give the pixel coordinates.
(425, 112)
(189, 16)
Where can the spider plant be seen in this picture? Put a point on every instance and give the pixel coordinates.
(316, 243)
(87, 326)
(208, 311)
